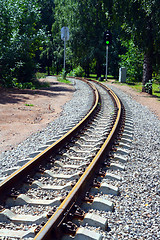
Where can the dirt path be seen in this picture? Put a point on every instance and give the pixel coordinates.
(153, 103)
(23, 112)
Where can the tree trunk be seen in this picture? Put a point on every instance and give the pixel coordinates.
(48, 70)
(147, 70)
(87, 70)
(98, 69)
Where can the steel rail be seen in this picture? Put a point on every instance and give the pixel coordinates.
(51, 230)
(31, 167)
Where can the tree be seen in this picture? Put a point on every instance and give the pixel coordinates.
(64, 16)
(132, 59)
(86, 21)
(88, 36)
(21, 38)
(140, 21)
(47, 10)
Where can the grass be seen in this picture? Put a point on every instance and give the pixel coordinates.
(41, 75)
(60, 79)
(155, 88)
(29, 105)
(138, 87)
(44, 75)
(135, 85)
(94, 77)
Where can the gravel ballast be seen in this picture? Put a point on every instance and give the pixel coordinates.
(136, 214)
(72, 111)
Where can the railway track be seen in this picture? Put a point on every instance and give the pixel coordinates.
(62, 192)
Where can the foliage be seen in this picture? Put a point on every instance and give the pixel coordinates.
(30, 38)
(138, 87)
(29, 85)
(64, 16)
(77, 72)
(29, 105)
(139, 20)
(63, 74)
(46, 56)
(148, 87)
(87, 22)
(156, 89)
(61, 79)
(40, 75)
(20, 40)
(132, 60)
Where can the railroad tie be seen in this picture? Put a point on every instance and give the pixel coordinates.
(23, 199)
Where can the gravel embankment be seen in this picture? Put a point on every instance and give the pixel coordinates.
(72, 110)
(136, 213)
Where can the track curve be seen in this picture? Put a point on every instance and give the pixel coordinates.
(44, 161)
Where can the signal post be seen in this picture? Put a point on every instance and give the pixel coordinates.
(108, 39)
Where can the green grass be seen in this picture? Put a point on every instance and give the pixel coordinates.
(93, 76)
(41, 75)
(155, 88)
(60, 79)
(29, 105)
(138, 87)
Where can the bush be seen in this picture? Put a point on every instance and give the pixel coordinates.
(29, 85)
(63, 74)
(41, 75)
(77, 72)
(148, 87)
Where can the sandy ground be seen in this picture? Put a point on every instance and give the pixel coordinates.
(23, 112)
(152, 102)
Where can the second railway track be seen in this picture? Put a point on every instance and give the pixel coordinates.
(62, 192)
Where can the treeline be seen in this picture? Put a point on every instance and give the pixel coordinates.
(30, 39)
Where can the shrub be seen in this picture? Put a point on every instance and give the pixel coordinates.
(77, 72)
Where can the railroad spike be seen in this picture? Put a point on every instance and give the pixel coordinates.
(37, 230)
(96, 183)
(79, 213)
(69, 228)
(101, 172)
(88, 197)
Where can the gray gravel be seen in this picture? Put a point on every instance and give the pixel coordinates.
(136, 213)
(72, 110)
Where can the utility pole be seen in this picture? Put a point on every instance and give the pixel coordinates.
(64, 65)
(64, 37)
(106, 60)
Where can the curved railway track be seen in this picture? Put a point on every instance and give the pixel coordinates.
(57, 193)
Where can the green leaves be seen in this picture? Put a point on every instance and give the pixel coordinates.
(20, 39)
(140, 21)
(30, 36)
(132, 60)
